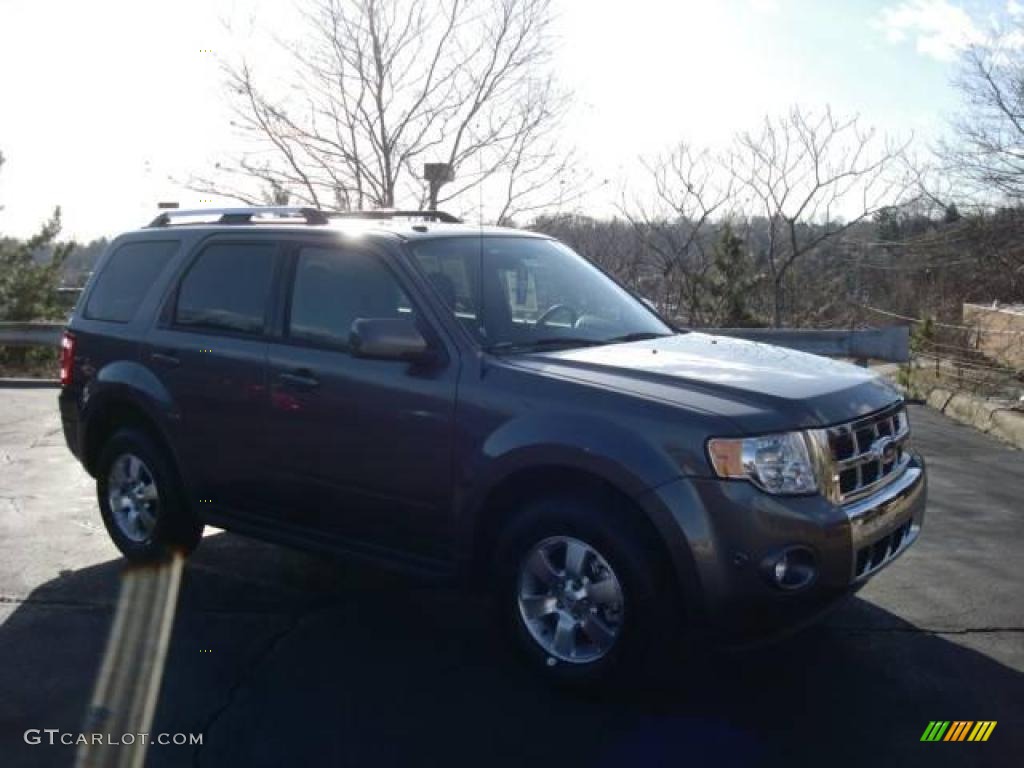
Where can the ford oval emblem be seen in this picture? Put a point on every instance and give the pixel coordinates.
(884, 449)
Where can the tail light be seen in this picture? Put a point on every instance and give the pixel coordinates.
(67, 357)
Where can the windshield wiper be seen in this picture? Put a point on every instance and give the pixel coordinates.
(550, 343)
(571, 341)
(640, 336)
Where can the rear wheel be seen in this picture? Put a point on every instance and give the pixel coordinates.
(140, 498)
(584, 590)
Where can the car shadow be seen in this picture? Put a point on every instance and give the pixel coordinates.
(283, 659)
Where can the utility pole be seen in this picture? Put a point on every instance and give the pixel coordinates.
(437, 175)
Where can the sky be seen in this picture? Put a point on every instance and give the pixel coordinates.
(106, 106)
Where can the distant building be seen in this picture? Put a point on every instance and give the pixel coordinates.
(1000, 331)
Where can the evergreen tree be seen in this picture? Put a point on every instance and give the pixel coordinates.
(28, 289)
(28, 285)
(732, 281)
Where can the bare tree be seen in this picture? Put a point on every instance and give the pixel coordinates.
(812, 177)
(989, 147)
(380, 87)
(612, 244)
(689, 189)
(537, 172)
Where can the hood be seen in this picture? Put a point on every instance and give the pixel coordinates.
(758, 386)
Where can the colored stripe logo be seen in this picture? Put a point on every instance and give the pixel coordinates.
(958, 730)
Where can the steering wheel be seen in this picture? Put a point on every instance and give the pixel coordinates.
(553, 310)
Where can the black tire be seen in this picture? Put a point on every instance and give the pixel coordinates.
(650, 609)
(176, 527)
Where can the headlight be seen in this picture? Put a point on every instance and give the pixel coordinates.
(779, 464)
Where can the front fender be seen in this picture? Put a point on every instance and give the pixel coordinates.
(603, 449)
(595, 445)
(549, 441)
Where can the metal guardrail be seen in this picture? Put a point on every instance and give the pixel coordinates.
(891, 344)
(30, 334)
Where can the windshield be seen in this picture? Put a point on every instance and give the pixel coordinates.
(532, 293)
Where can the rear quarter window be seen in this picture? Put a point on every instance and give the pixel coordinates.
(125, 279)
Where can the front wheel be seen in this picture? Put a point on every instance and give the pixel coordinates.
(570, 600)
(585, 592)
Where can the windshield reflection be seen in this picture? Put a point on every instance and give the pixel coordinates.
(521, 293)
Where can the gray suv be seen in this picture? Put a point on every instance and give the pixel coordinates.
(479, 403)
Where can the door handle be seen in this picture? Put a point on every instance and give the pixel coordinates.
(166, 357)
(300, 378)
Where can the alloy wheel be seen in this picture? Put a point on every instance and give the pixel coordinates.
(570, 600)
(133, 497)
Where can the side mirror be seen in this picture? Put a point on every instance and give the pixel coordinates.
(389, 338)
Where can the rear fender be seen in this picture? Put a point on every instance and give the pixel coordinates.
(127, 384)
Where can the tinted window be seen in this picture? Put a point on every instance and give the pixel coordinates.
(227, 288)
(334, 288)
(453, 275)
(125, 279)
(514, 292)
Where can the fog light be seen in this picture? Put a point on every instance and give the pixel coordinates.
(791, 569)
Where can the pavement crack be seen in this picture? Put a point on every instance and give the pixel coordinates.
(38, 441)
(932, 630)
(15, 503)
(73, 603)
(64, 603)
(264, 655)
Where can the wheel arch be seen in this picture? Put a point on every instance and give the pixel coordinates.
(124, 392)
(114, 411)
(506, 497)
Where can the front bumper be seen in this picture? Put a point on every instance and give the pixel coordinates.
(883, 526)
(731, 530)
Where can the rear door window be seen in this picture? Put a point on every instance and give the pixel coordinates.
(126, 278)
(228, 288)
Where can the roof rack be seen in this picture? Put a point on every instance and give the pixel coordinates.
(273, 213)
(391, 213)
(240, 215)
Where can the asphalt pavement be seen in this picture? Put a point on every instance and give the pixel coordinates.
(285, 659)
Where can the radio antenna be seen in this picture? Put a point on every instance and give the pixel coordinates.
(480, 243)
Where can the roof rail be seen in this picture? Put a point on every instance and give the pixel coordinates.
(311, 215)
(241, 215)
(391, 213)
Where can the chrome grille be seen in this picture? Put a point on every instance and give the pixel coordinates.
(868, 453)
(872, 557)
